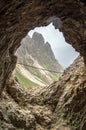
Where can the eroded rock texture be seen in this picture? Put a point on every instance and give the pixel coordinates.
(65, 99)
(59, 106)
(18, 17)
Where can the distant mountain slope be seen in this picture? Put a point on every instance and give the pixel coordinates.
(35, 52)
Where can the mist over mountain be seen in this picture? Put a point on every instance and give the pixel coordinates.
(36, 53)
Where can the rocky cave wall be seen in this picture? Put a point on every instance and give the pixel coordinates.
(66, 99)
(59, 106)
(19, 17)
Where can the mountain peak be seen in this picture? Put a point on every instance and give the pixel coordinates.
(37, 37)
(36, 53)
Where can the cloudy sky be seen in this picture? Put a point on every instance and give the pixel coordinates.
(64, 52)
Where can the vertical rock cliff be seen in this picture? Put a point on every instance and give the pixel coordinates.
(36, 62)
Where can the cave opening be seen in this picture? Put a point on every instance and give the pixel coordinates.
(43, 56)
(61, 105)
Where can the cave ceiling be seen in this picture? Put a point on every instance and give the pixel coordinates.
(19, 17)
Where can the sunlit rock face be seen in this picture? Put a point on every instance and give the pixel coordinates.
(16, 19)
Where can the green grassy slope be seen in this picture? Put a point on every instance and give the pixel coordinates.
(24, 81)
(29, 84)
(38, 74)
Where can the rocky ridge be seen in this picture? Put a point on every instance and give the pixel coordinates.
(35, 53)
(39, 50)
